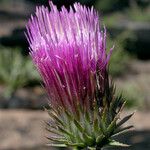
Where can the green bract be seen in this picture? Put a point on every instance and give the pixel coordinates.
(92, 129)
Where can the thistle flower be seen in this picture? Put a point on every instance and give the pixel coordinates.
(69, 51)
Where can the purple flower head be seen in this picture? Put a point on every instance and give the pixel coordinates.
(69, 50)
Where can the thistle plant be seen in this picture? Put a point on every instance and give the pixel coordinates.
(69, 50)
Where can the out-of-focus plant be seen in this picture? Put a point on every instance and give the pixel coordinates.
(136, 91)
(108, 6)
(67, 3)
(133, 13)
(138, 14)
(85, 2)
(15, 70)
(119, 64)
(120, 57)
(132, 94)
(69, 50)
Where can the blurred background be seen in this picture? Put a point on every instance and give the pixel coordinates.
(21, 95)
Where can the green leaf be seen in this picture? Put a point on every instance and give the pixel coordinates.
(103, 127)
(114, 105)
(53, 131)
(122, 130)
(69, 116)
(96, 126)
(54, 116)
(51, 125)
(87, 116)
(79, 137)
(66, 132)
(125, 119)
(76, 144)
(57, 139)
(88, 139)
(77, 124)
(112, 126)
(100, 138)
(116, 143)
